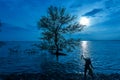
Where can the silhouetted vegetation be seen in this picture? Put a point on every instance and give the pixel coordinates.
(15, 49)
(31, 51)
(57, 27)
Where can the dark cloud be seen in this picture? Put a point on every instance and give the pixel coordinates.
(93, 12)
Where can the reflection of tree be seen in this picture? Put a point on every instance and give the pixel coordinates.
(55, 26)
(31, 51)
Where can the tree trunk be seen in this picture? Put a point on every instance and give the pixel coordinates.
(57, 52)
(57, 47)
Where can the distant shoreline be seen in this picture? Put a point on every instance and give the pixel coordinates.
(39, 41)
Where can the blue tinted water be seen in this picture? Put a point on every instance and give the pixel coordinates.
(105, 58)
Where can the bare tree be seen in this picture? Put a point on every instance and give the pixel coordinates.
(56, 27)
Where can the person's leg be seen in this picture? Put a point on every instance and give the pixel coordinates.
(91, 73)
(85, 70)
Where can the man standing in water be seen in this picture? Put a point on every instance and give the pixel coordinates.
(88, 67)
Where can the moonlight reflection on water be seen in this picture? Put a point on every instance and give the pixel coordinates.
(85, 49)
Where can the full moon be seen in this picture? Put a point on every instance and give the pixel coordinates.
(84, 21)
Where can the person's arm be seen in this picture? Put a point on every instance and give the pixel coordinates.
(82, 57)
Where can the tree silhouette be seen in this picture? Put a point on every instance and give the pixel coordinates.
(56, 28)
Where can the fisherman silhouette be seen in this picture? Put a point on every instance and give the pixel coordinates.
(87, 67)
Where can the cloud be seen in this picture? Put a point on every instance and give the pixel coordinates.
(113, 9)
(115, 4)
(93, 12)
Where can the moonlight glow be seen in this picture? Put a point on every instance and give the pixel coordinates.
(85, 49)
(84, 21)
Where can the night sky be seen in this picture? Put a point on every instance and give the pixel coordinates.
(20, 17)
